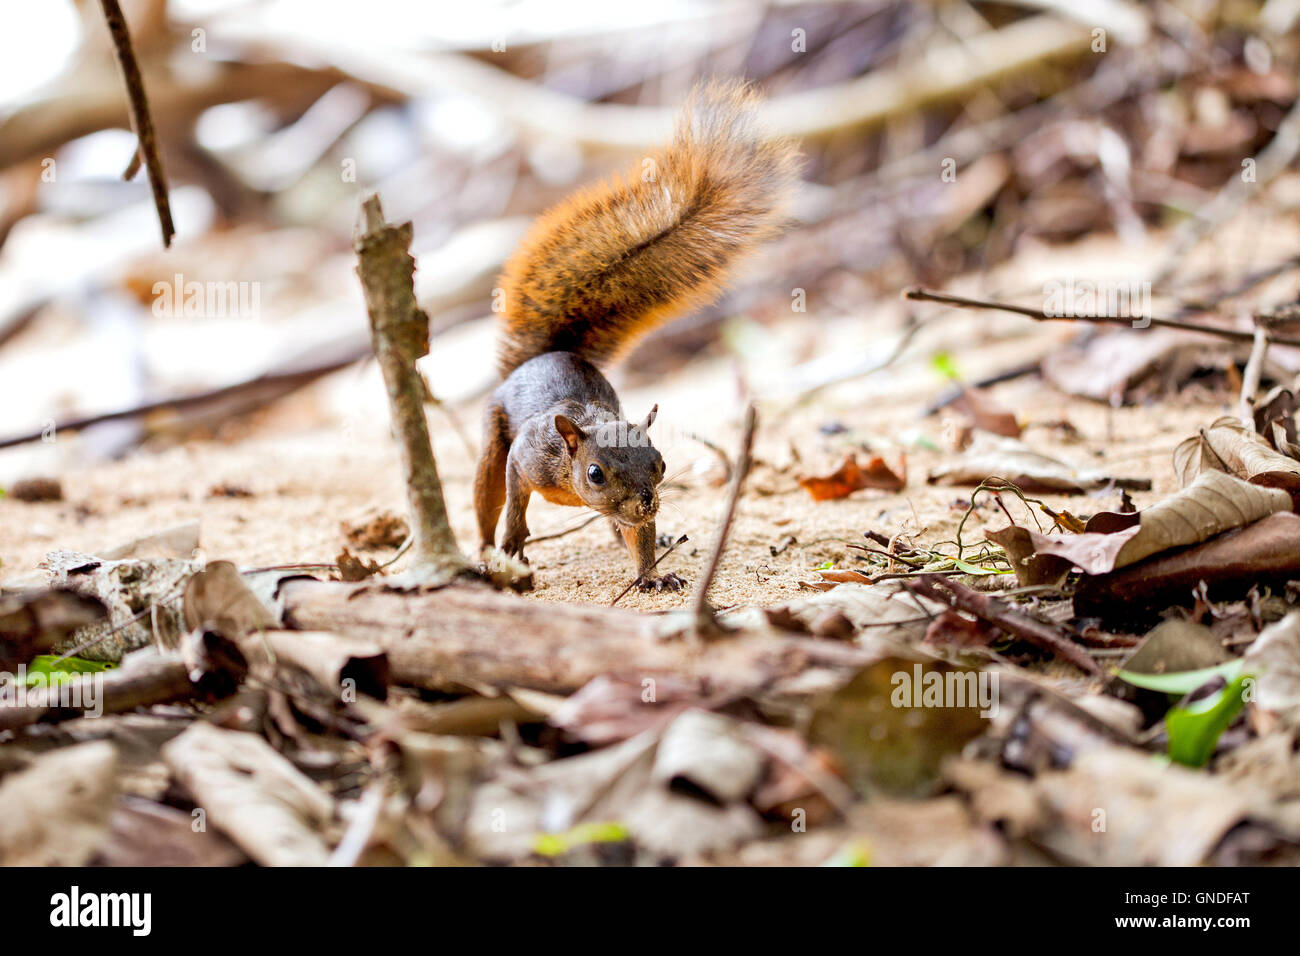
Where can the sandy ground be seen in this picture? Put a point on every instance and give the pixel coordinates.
(323, 458)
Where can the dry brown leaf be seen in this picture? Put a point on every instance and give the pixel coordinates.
(1263, 554)
(352, 568)
(845, 577)
(1275, 419)
(1025, 468)
(1212, 504)
(218, 597)
(851, 477)
(1227, 445)
(986, 414)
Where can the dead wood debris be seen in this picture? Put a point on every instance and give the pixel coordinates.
(274, 717)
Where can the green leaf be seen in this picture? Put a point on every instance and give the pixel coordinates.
(853, 853)
(1194, 730)
(48, 669)
(943, 363)
(1182, 682)
(825, 566)
(968, 568)
(558, 844)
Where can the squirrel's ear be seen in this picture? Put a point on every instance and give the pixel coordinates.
(570, 432)
(650, 419)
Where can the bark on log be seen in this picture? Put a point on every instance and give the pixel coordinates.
(467, 635)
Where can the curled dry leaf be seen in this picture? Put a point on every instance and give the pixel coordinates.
(1025, 468)
(851, 477)
(1229, 446)
(708, 752)
(1212, 504)
(218, 598)
(1275, 420)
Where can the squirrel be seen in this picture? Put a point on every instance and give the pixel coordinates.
(605, 266)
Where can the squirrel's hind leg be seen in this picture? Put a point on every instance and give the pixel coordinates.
(490, 477)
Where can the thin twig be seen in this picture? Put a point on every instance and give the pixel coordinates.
(274, 384)
(639, 578)
(888, 554)
(957, 301)
(703, 613)
(141, 120)
(1016, 623)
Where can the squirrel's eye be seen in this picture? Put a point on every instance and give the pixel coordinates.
(595, 475)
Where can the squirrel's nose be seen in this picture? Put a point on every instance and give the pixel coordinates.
(647, 499)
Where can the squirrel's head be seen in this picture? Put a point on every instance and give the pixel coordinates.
(614, 468)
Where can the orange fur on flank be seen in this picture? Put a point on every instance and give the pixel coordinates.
(617, 259)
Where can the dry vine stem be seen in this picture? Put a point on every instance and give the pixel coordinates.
(141, 120)
(399, 332)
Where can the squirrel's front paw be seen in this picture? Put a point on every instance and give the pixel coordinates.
(666, 582)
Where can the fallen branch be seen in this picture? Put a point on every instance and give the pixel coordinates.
(245, 395)
(1038, 315)
(1016, 623)
(141, 120)
(949, 72)
(470, 635)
